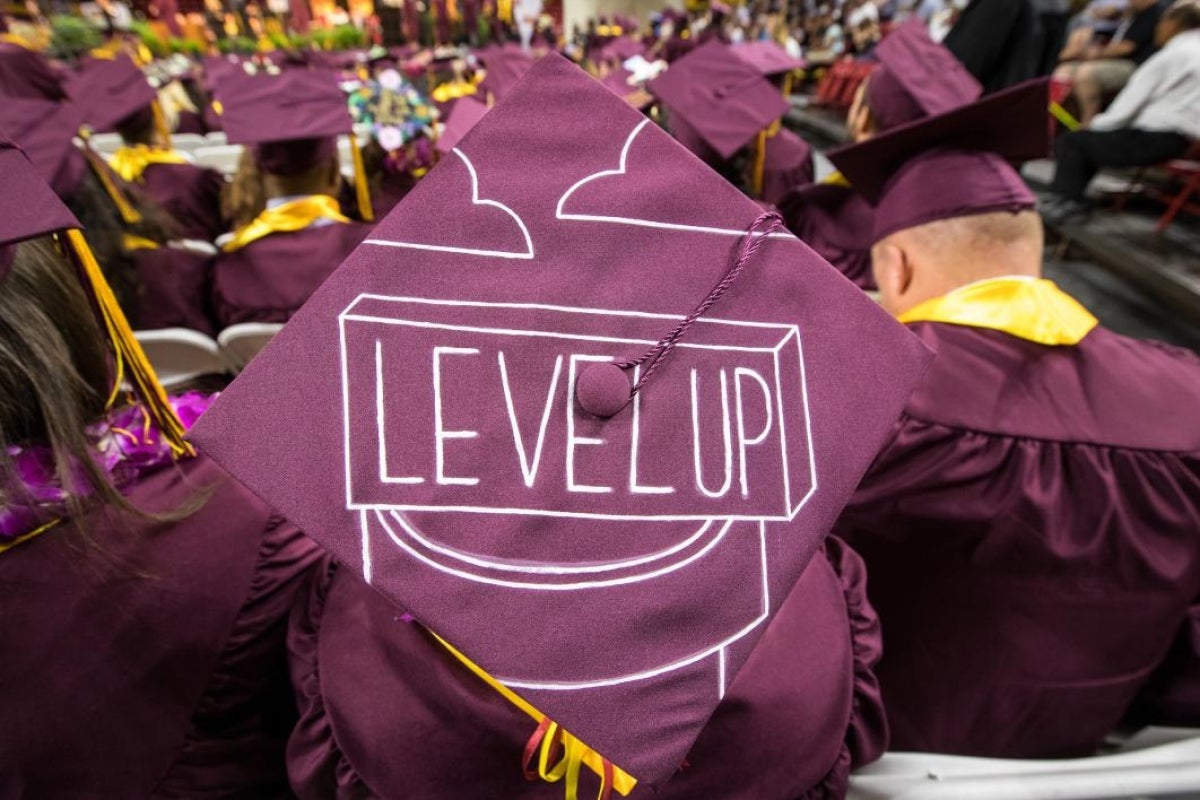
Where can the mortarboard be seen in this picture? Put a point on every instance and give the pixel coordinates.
(112, 90)
(917, 77)
(725, 100)
(767, 58)
(504, 67)
(30, 208)
(292, 120)
(44, 130)
(1010, 123)
(445, 416)
(463, 116)
(953, 164)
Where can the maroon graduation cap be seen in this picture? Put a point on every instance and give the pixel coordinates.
(28, 206)
(111, 90)
(44, 130)
(767, 58)
(463, 116)
(505, 67)
(916, 78)
(724, 99)
(1011, 123)
(452, 415)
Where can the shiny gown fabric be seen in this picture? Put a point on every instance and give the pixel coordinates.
(190, 194)
(1033, 539)
(146, 659)
(427, 727)
(835, 221)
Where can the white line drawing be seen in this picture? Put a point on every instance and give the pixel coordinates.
(789, 333)
(561, 214)
(394, 528)
(527, 254)
(714, 648)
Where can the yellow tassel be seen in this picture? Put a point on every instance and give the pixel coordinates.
(128, 356)
(160, 124)
(760, 163)
(362, 189)
(128, 213)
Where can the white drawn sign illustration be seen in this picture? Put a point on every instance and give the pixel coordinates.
(487, 432)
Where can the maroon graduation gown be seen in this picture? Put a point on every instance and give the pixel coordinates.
(174, 290)
(1032, 533)
(269, 279)
(835, 221)
(24, 73)
(146, 659)
(788, 164)
(802, 712)
(190, 194)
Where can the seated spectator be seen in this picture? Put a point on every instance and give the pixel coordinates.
(996, 40)
(1097, 69)
(1031, 529)
(1155, 118)
(146, 591)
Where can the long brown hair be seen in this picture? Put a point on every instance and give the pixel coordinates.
(55, 378)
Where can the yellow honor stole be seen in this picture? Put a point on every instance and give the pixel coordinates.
(295, 215)
(131, 162)
(1028, 308)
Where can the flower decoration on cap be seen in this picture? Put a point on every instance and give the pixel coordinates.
(402, 121)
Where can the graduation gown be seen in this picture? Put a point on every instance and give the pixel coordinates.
(787, 164)
(1032, 533)
(269, 279)
(146, 659)
(174, 288)
(25, 73)
(836, 222)
(802, 712)
(190, 194)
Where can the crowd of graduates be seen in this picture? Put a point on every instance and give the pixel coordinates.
(969, 521)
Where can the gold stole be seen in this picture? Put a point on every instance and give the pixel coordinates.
(131, 162)
(287, 218)
(1032, 309)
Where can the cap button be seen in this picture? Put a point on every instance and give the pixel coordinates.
(603, 390)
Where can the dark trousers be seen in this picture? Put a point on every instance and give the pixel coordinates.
(1082, 154)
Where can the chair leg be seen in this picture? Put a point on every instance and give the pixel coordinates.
(1189, 188)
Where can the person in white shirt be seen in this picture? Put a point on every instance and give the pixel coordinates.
(1155, 118)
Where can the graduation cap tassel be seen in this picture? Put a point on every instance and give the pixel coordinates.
(129, 359)
(547, 742)
(760, 163)
(129, 214)
(160, 124)
(362, 189)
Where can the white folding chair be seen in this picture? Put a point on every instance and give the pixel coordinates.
(188, 142)
(179, 355)
(1159, 763)
(215, 138)
(241, 342)
(223, 157)
(106, 143)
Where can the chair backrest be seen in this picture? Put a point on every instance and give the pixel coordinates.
(214, 138)
(223, 157)
(179, 355)
(1166, 763)
(106, 143)
(241, 343)
(188, 142)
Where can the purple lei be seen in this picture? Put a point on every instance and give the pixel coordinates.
(125, 446)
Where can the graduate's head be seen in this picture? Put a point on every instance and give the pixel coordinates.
(933, 235)
(916, 78)
(298, 166)
(1181, 16)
